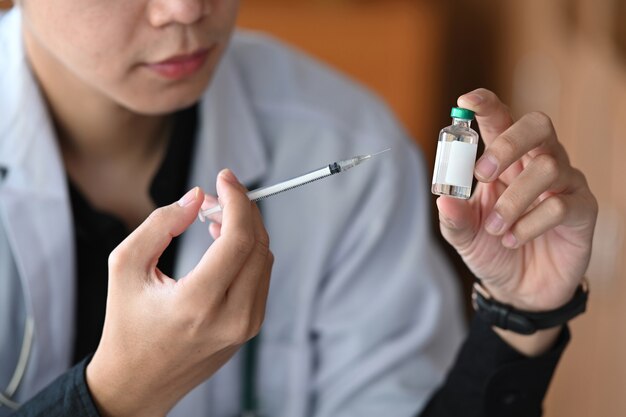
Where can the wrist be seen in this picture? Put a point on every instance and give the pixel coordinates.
(507, 317)
(532, 300)
(118, 396)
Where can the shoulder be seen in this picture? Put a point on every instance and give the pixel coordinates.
(286, 84)
(290, 73)
(310, 112)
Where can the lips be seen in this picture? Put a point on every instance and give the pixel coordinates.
(180, 66)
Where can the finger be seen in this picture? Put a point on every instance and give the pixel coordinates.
(232, 192)
(492, 115)
(537, 178)
(215, 229)
(210, 202)
(575, 208)
(264, 287)
(550, 213)
(247, 297)
(534, 131)
(143, 247)
(244, 288)
(247, 315)
(457, 221)
(224, 259)
(261, 297)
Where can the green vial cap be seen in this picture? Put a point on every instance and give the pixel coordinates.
(461, 113)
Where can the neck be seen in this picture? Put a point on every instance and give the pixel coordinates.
(106, 133)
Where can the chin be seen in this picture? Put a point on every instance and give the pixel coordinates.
(160, 100)
(161, 106)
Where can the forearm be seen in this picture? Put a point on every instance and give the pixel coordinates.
(490, 378)
(530, 345)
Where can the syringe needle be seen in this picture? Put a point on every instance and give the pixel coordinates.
(359, 159)
(378, 153)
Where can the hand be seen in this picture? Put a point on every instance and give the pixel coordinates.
(163, 337)
(527, 230)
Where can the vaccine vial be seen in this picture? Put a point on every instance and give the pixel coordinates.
(456, 155)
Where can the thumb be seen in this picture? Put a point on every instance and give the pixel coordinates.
(457, 221)
(143, 247)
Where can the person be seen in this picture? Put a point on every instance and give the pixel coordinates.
(107, 113)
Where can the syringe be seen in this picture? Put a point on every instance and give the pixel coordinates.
(290, 184)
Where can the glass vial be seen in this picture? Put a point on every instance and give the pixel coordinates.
(456, 155)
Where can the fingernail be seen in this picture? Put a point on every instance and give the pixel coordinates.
(486, 167)
(228, 175)
(494, 223)
(509, 240)
(189, 197)
(473, 98)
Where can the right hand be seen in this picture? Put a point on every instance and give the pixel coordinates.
(163, 337)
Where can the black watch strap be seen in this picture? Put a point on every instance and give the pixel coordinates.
(507, 317)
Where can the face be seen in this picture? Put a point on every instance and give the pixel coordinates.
(150, 56)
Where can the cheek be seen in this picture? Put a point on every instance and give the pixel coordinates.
(98, 45)
(89, 38)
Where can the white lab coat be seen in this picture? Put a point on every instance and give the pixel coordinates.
(363, 317)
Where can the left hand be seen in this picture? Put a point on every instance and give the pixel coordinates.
(527, 230)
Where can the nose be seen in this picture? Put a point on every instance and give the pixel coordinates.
(186, 12)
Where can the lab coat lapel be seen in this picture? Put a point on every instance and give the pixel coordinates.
(35, 212)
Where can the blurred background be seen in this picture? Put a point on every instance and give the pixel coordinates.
(564, 57)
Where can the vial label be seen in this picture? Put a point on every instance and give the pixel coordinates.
(454, 163)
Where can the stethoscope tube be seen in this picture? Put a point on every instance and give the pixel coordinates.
(20, 368)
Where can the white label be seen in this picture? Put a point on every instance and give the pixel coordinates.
(454, 163)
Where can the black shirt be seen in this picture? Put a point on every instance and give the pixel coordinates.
(97, 233)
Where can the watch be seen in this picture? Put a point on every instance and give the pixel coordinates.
(508, 317)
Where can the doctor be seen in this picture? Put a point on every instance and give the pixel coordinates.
(109, 110)
(106, 114)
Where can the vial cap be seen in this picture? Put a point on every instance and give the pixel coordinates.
(461, 113)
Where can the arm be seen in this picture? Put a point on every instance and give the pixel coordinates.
(526, 233)
(163, 337)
